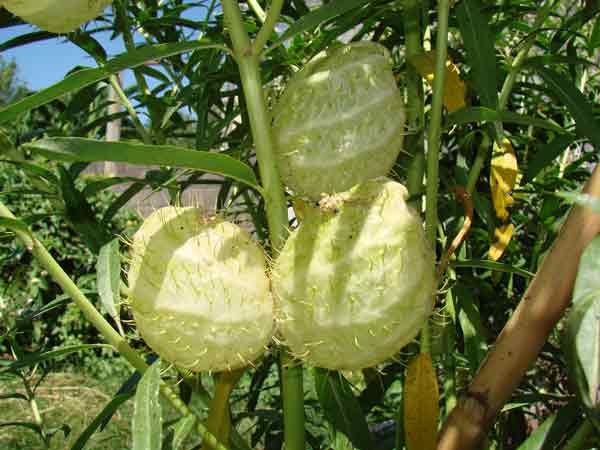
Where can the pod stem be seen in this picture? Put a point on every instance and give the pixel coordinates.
(219, 418)
(247, 57)
(110, 335)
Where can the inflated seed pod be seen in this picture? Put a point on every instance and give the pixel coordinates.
(57, 16)
(199, 291)
(340, 121)
(354, 282)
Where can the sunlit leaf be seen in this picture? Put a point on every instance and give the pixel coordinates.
(108, 274)
(503, 177)
(421, 409)
(147, 415)
(454, 88)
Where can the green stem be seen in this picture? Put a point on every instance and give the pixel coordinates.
(110, 335)
(268, 26)
(414, 102)
(478, 164)
(510, 79)
(433, 141)
(114, 82)
(579, 439)
(275, 203)
(258, 11)
(219, 419)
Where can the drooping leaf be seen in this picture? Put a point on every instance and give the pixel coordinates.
(545, 154)
(328, 11)
(421, 408)
(147, 416)
(341, 408)
(108, 275)
(107, 412)
(481, 53)
(502, 236)
(454, 88)
(86, 77)
(90, 150)
(483, 114)
(503, 177)
(577, 104)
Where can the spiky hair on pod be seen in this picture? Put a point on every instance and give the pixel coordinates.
(57, 16)
(340, 121)
(199, 290)
(355, 282)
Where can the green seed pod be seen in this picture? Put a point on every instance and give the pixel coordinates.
(199, 291)
(340, 121)
(355, 281)
(57, 16)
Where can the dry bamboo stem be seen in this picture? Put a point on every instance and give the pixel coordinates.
(526, 331)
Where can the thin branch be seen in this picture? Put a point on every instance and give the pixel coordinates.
(268, 26)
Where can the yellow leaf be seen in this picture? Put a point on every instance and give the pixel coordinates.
(421, 408)
(503, 177)
(502, 236)
(454, 88)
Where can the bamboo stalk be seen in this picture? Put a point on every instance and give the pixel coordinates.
(526, 331)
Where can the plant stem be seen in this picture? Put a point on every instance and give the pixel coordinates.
(268, 26)
(579, 439)
(414, 103)
(258, 11)
(114, 82)
(275, 203)
(482, 154)
(435, 124)
(219, 419)
(109, 334)
(514, 68)
(433, 141)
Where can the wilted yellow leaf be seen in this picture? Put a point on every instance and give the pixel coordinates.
(502, 237)
(503, 177)
(421, 408)
(454, 88)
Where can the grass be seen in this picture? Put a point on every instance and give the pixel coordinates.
(64, 398)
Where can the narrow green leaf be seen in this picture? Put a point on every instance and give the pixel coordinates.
(35, 358)
(108, 276)
(90, 150)
(147, 417)
(594, 42)
(554, 430)
(481, 53)
(472, 327)
(182, 430)
(581, 199)
(577, 104)
(26, 39)
(482, 114)
(341, 408)
(491, 265)
(107, 412)
(86, 77)
(122, 200)
(328, 11)
(546, 154)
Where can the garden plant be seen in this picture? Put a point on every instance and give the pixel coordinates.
(404, 248)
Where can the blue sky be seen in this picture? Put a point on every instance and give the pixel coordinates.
(44, 63)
